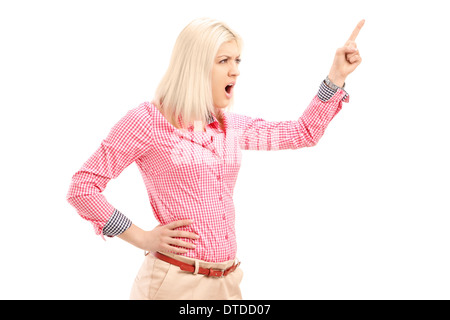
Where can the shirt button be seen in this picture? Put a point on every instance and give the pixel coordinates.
(224, 217)
(220, 198)
(218, 177)
(226, 237)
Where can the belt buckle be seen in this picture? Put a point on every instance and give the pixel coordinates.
(214, 273)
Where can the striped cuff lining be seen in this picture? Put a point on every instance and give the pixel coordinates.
(326, 93)
(116, 224)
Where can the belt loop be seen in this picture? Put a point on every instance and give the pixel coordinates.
(197, 266)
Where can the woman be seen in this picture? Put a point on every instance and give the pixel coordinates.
(188, 149)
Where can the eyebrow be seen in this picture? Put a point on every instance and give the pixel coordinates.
(223, 55)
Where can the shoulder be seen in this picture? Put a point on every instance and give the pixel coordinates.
(144, 110)
(136, 120)
(140, 115)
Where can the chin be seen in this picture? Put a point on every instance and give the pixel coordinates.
(222, 105)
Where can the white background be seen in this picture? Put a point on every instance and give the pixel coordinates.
(363, 215)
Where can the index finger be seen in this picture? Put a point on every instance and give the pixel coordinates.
(357, 30)
(185, 234)
(179, 223)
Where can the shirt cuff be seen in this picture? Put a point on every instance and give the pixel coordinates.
(325, 92)
(116, 224)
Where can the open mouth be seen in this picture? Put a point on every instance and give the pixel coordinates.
(229, 89)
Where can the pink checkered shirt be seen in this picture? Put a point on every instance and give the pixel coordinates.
(188, 174)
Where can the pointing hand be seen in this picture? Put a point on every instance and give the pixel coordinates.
(347, 58)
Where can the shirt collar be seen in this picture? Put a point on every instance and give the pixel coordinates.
(209, 120)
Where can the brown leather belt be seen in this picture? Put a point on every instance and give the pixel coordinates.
(188, 267)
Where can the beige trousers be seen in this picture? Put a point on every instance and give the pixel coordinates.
(159, 280)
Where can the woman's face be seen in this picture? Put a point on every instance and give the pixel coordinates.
(224, 73)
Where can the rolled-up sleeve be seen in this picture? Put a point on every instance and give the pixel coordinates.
(128, 140)
(259, 134)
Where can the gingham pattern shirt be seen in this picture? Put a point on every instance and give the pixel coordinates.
(188, 174)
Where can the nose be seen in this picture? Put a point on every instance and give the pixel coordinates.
(234, 70)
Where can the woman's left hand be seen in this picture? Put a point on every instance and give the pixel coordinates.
(346, 59)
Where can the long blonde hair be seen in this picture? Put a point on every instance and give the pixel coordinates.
(185, 90)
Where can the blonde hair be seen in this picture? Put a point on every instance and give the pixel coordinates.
(185, 90)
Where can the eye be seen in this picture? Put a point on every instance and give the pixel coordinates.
(238, 61)
(223, 61)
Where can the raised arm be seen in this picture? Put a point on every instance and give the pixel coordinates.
(258, 134)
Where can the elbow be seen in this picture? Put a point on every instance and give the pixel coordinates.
(309, 133)
(79, 189)
(303, 142)
(312, 137)
(84, 185)
(73, 194)
(310, 142)
(313, 142)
